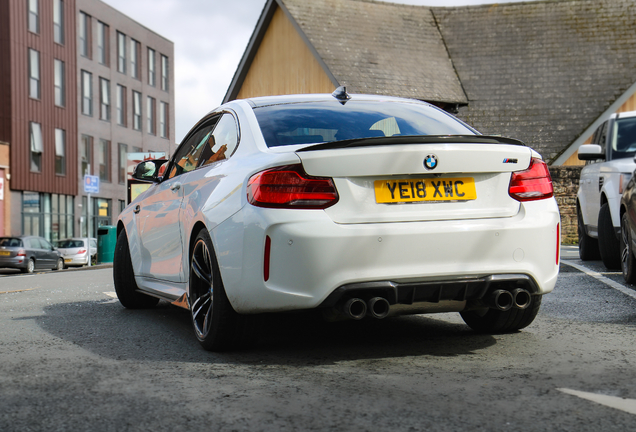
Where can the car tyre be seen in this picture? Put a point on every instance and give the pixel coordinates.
(30, 268)
(628, 261)
(217, 326)
(496, 321)
(608, 243)
(124, 278)
(588, 246)
(59, 265)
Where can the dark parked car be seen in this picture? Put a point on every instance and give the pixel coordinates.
(29, 253)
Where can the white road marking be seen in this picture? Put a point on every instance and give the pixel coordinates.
(112, 294)
(601, 278)
(627, 405)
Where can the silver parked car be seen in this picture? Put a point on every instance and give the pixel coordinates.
(75, 252)
(29, 253)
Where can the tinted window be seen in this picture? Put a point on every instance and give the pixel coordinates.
(188, 155)
(222, 142)
(316, 122)
(10, 242)
(65, 244)
(624, 138)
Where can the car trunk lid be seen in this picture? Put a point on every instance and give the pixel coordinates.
(382, 180)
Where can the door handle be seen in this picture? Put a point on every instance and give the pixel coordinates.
(175, 187)
(137, 209)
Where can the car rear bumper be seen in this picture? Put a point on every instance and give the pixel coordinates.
(72, 260)
(311, 256)
(13, 262)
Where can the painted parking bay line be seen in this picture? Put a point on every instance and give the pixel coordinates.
(627, 405)
(601, 278)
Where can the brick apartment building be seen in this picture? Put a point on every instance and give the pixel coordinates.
(81, 85)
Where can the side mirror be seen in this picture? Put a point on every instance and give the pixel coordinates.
(147, 171)
(591, 152)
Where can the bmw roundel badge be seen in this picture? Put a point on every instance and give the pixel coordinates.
(430, 162)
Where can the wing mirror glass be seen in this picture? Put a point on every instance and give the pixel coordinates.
(148, 171)
(591, 152)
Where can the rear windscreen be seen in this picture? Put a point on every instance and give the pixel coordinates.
(10, 242)
(327, 121)
(66, 244)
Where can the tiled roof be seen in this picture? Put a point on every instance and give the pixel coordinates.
(380, 48)
(541, 71)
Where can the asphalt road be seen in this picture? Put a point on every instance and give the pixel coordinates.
(73, 359)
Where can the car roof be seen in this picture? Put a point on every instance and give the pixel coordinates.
(625, 114)
(299, 98)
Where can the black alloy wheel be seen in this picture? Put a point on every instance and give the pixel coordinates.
(628, 262)
(201, 290)
(216, 324)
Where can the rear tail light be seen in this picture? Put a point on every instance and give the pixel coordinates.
(81, 251)
(532, 184)
(21, 252)
(290, 187)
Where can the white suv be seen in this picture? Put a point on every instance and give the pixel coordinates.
(611, 164)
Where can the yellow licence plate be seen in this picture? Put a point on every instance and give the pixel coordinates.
(68, 260)
(417, 190)
(5, 253)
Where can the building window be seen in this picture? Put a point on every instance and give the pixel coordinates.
(122, 205)
(102, 43)
(48, 215)
(151, 115)
(134, 58)
(136, 110)
(60, 151)
(86, 154)
(87, 93)
(34, 16)
(152, 76)
(103, 160)
(34, 74)
(121, 52)
(37, 147)
(104, 99)
(123, 158)
(163, 120)
(84, 35)
(164, 73)
(58, 21)
(59, 81)
(121, 105)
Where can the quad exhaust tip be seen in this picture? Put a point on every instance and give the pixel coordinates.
(504, 300)
(378, 307)
(522, 298)
(355, 308)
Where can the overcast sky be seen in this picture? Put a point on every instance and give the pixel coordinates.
(209, 38)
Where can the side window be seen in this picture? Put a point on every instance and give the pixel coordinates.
(601, 138)
(45, 244)
(35, 244)
(222, 142)
(190, 152)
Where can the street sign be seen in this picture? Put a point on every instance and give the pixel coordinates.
(91, 184)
